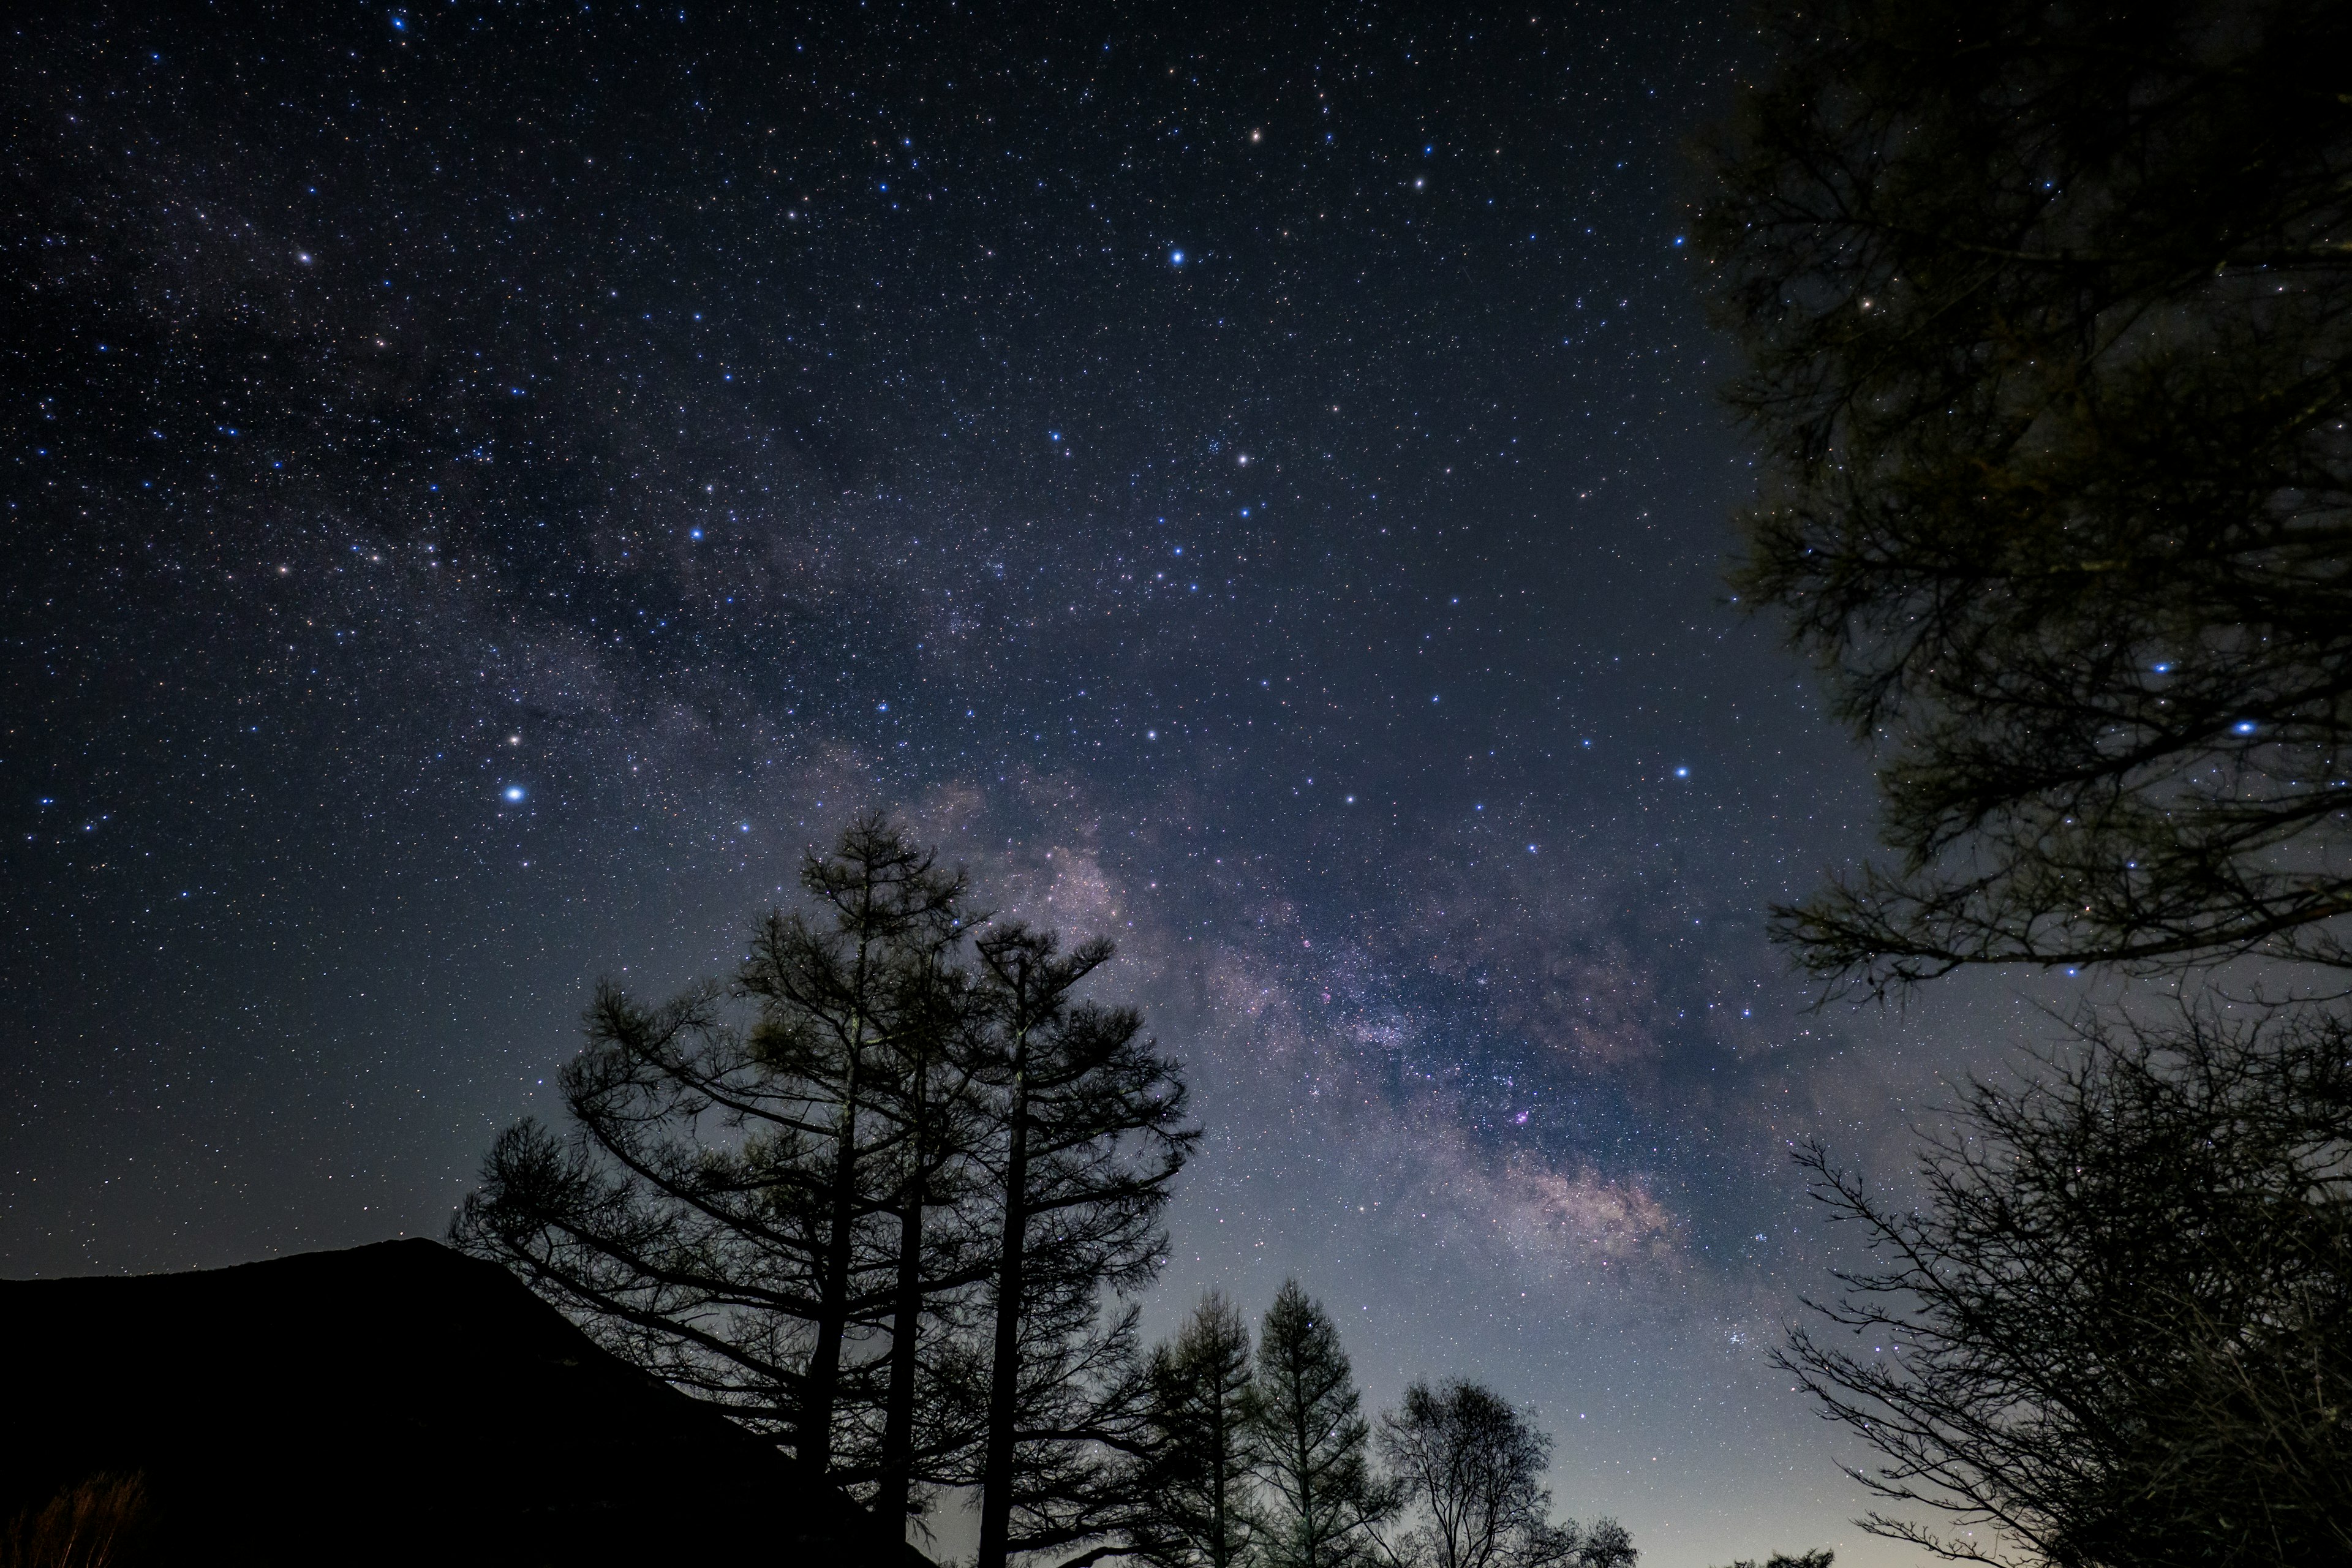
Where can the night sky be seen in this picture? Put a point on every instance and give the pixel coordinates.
(488, 485)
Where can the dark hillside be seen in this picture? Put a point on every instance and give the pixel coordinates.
(394, 1403)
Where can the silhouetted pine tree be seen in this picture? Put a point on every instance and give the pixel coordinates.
(1310, 1442)
(1198, 1502)
(880, 1219)
(843, 1003)
(724, 1212)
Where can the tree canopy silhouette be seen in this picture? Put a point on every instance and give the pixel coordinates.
(1469, 1468)
(2047, 320)
(2119, 1328)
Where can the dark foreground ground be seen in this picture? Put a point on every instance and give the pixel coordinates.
(396, 1402)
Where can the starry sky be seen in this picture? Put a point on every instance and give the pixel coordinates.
(488, 485)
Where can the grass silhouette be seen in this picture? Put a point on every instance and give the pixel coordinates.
(89, 1525)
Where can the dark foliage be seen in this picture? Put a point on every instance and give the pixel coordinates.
(2120, 1329)
(2047, 313)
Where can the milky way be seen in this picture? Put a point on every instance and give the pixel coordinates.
(490, 485)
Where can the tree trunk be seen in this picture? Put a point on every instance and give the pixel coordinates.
(898, 1412)
(1219, 1541)
(833, 1291)
(1302, 1447)
(1004, 1374)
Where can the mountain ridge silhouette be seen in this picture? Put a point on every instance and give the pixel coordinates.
(397, 1402)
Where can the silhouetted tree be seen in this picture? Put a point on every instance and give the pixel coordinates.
(1087, 1134)
(1470, 1468)
(1310, 1442)
(901, 1151)
(2119, 1329)
(723, 1212)
(1605, 1544)
(849, 1009)
(2047, 313)
(1821, 1558)
(1196, 1504)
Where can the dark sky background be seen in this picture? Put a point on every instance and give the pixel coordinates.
(488, 485)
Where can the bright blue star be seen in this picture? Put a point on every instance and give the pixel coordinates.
(1176, 258)
(514, 792)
